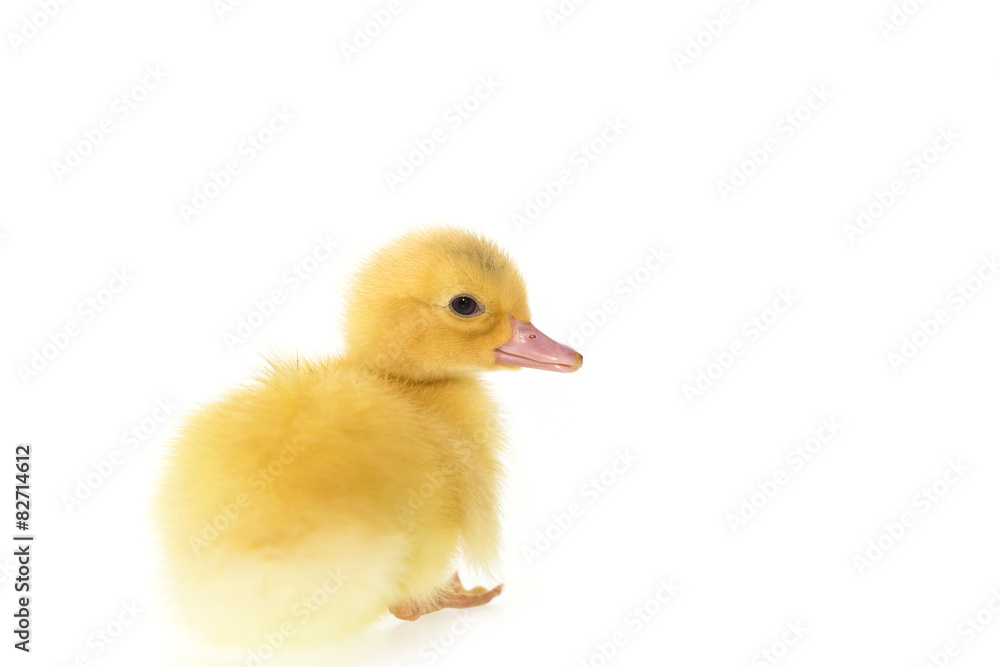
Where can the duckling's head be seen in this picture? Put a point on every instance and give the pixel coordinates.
(438, 303)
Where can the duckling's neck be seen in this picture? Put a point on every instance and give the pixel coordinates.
(465, 408)
(430, 389)
(391, 364)
(461, 400)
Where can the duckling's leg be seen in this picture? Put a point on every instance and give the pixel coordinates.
(452, 596)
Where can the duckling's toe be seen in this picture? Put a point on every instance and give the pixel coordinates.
(463, 599)
(451, 596)
(407, 611)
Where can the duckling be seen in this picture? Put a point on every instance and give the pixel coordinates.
(326, 493)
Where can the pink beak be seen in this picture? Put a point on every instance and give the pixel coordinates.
(530, 348)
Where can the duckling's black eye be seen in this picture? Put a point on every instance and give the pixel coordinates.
(464, 305)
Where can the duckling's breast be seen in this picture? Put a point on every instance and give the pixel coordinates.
(329, 449)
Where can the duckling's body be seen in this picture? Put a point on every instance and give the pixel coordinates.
(325, 493)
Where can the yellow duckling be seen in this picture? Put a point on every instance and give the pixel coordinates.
(324, 494)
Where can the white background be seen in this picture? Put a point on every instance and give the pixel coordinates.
(686, 127)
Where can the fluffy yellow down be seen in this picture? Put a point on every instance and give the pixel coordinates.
(309, 501)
